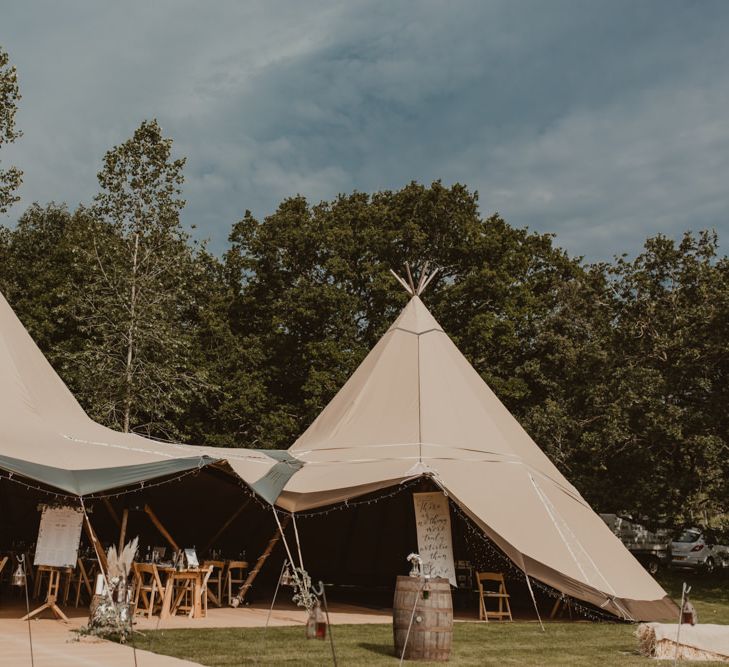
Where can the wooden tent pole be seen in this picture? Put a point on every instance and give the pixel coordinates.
(402, 282)
(410, 279)
(95, 543)
(158, 525)
(423, 276)
(123, 529)
(259, 563)
(427, 282)
(111, 510)
(225, 526)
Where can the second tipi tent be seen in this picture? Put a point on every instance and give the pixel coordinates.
(416, 407)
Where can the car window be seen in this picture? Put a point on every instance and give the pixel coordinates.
(688, 536)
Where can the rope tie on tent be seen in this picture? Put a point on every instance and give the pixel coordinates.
(551, 510)
(559, 530)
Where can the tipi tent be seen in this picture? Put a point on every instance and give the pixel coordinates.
(415, 406)
(46, 437)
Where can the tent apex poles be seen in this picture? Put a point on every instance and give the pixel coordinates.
(409, 283)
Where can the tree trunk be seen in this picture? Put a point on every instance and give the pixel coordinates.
(128, 376)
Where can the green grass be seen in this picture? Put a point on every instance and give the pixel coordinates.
(709, 594)
(519, 643)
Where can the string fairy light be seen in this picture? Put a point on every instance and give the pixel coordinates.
(139, 486)
(593, 613)
(349, 504)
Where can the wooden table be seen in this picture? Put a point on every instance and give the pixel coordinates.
(194, 576)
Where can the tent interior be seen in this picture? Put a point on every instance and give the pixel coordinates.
(356, 549)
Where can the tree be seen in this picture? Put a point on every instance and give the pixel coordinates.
(135, 312)
(670, 380)
(42, 277)
(11, 178)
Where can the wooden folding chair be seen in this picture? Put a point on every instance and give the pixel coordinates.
(206, 589)
(500, 594)
(148, 589)
(214, 588)
(234, 577)
(183, 593)
(81, 581)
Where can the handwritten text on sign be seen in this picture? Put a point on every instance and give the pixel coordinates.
(433, 523)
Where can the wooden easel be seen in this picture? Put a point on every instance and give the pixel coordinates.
(54, 584)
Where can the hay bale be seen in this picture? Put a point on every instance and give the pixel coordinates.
(696, 642)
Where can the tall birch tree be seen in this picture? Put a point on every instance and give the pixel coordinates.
(136, 310)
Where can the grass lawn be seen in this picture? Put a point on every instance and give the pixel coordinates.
(518, 643)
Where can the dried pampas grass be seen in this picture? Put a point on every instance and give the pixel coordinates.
(121, 564)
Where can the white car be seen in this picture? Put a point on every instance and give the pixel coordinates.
(695, 550)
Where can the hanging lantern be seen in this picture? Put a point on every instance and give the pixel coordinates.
(287, 579)
(316, 625)
(18, 576)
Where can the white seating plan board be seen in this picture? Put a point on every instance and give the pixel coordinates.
(433, 523)
(59, 536)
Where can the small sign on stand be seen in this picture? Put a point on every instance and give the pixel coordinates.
(59, 536)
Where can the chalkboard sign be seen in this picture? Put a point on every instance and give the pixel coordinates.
(59, 536)
(433, 523)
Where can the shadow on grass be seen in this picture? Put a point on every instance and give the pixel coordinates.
(380, 649)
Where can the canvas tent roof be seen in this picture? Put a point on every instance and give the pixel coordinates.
(416, 406)
(46, 436)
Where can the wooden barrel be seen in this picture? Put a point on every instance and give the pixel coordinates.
(431, 633)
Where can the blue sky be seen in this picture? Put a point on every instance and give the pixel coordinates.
(602, 122)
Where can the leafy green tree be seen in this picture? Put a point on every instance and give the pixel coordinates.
(227, 411)
(631, 405)
(138, 361)
(40, 280)
(11, 178)
(671, 380)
